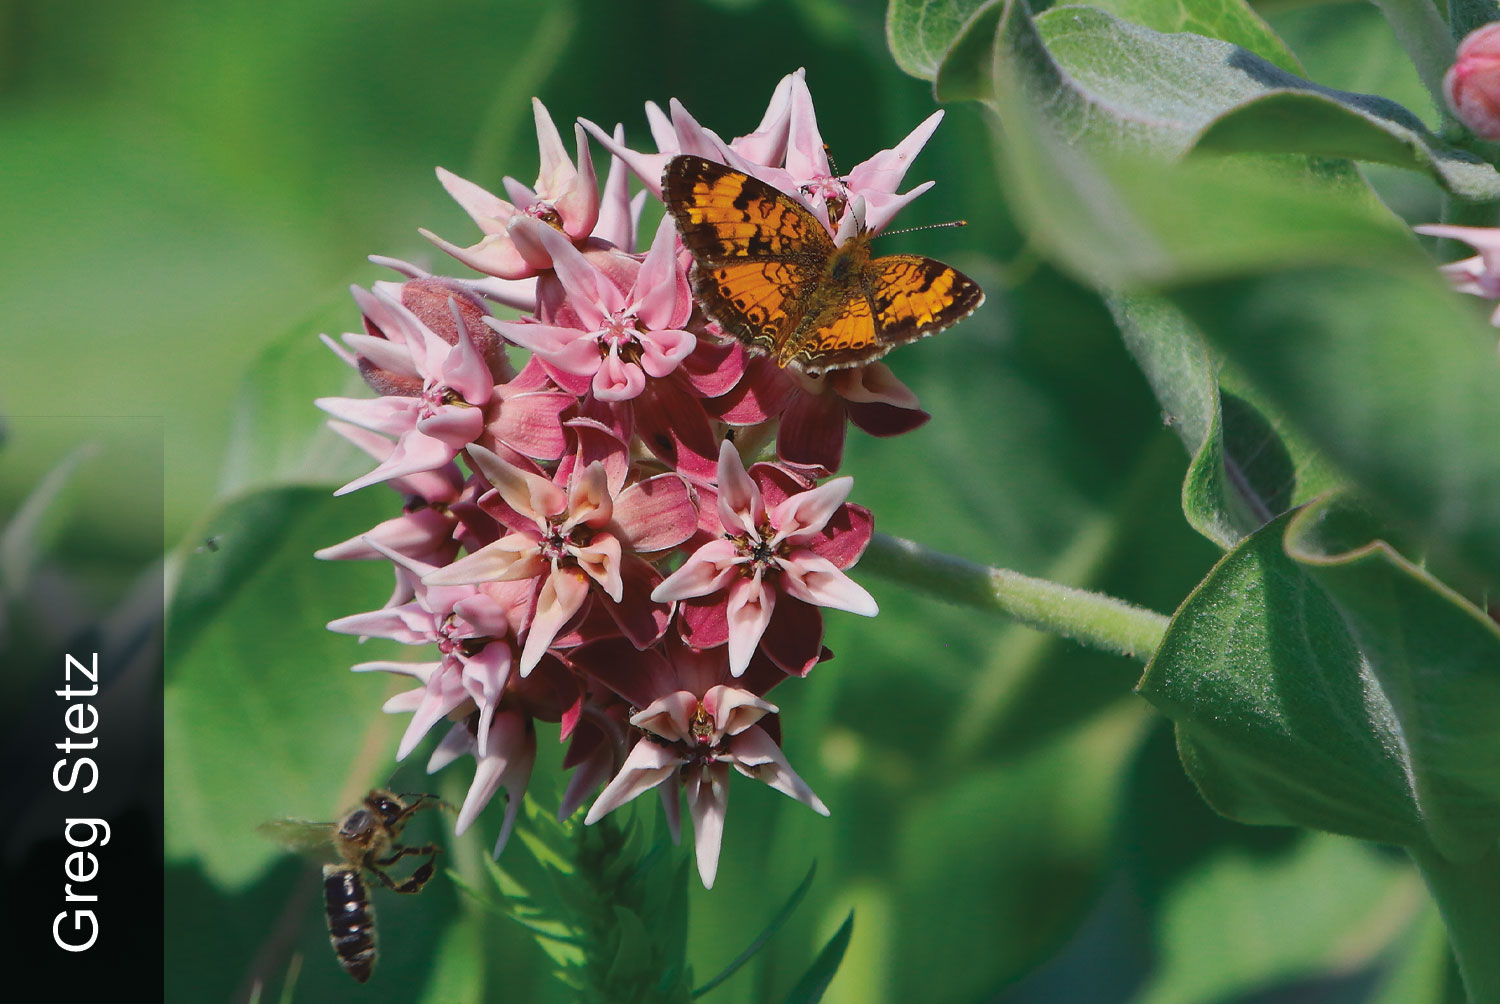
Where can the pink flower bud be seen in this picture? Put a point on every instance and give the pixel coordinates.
(1472, 84)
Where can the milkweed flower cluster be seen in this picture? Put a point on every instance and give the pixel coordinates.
(588, 539)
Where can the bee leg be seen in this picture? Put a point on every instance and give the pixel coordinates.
(419, 877)
(422, 802)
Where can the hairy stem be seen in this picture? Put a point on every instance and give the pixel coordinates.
(1426, 38)
(1469, 897)
(1092, 619)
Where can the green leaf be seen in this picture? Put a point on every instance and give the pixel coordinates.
(259, 701)
(1130, 220)
(1337, 124)
(277, 435)
(920, 32)
(1111, 84)
(810, 988)
(1246, 466)
(1469, 15)
(1389, 374)
(1229, 20)
(765, 935)
(1319, 682)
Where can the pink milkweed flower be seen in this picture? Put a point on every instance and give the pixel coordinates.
(470, 625)
(698, 722)
(814, 411)
(809, 175)
(510, 744)
(790, 550)
(680, 133)
(1472, 84)
(439, 373)
(578, 535)
(612, 329)
(424, 530)
(501, 737)
(622, 337)
(434, 391)
(813, 426)
(565, 196)
(1479, 275)
(517, 293)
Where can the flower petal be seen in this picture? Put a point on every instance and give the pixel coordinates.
(799, 519)
(756, 755)
(707, 570)
(529, 494)
(563, 595)
(648, 765)
(748, 612)
(708, 799)
(657, 513)
(815, 579)
(740, 507)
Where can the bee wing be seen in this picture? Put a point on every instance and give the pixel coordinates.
(312, 840)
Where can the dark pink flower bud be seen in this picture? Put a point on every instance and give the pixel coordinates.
(1472, 84)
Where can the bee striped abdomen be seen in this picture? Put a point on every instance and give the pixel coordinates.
(351, 920)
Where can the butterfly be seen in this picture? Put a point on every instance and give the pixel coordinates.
(769, 273)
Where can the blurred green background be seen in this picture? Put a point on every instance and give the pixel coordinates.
(189, 189)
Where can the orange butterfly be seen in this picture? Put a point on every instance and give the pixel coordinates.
(770, 274)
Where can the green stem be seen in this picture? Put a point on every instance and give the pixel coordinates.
(1425, 36)
(1091, 619)
(1468, 895)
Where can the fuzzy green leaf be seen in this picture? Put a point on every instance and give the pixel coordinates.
(1318, 678)
(1390, 375)
(921, 32)
(1246, 467)
(1329, 123)
(1232, 21)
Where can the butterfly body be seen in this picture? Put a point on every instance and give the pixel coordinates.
(769, 273)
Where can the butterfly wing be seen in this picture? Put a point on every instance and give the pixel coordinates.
(758, 253)
(759, 302)
(725, 215)
(913, 297)
(841, 335)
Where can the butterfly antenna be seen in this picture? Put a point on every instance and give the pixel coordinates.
(833, 169)
(929, 226)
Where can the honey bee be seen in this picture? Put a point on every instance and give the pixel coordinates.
(364, 840)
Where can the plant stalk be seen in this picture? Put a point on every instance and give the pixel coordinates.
(1426, 38)
(1091, 619)
(1468, 895)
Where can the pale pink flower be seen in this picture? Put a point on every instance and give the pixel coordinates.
(577, 535)
(680, 133)
(622, 337)
(1479, 275)
(517, 293)
(565, 196)
(699, 721)
(470, 625)
(424, 530)
(439, 369)
(770, 554)
(872, 183)
(434, 392)
(510, 753)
